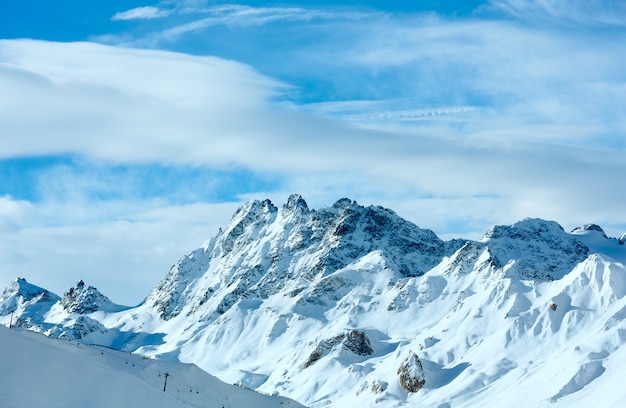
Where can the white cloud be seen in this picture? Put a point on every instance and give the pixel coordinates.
(141, 13)
(13, 213)
(536, 156)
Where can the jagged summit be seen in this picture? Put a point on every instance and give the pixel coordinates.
(265, 250)
(84, 299)
(296, 202)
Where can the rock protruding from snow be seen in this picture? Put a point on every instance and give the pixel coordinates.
(411, 373)
(84, 299)
(622, 239)
(354, 341)
(541, 250)
(357, 342)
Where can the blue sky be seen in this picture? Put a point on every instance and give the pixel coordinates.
(131, 133)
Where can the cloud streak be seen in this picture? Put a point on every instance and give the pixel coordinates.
(585, 12)
(141, 13)
(246, 16)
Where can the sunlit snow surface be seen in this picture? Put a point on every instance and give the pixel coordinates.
(528, 316)
(37, 371)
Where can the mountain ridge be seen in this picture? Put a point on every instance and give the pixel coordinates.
(325, 306)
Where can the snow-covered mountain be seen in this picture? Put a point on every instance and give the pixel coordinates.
(355, 306)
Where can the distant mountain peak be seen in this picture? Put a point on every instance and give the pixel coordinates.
(540, 249)
(589, 228)
(296, 202)
(20, 288)
(344, 202)
(21, 296)
(84, 299)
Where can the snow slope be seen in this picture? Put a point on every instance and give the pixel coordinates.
(352, 306)
(37, 371)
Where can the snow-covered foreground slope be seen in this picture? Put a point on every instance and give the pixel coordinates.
(37, 371)
(352, 306)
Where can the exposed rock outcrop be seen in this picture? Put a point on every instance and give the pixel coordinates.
(411, 373)
(354, 341)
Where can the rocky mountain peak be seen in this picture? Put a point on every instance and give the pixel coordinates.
(539, 249)
(529, 229)
(27, 291)
(25, 295)
(587, 228)
(264, 251)
(84, 299)
(295, 202)
(343, 203)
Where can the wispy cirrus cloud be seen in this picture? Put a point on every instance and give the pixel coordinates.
(192, 18)
(141, 13)
(247, 16)
(585, 12)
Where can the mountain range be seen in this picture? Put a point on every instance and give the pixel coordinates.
(355, 306)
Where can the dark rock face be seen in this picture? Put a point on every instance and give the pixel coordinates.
(411, 373)
(354, 341)
(358, 343)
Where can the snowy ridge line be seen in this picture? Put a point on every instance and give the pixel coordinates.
(280, 286)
